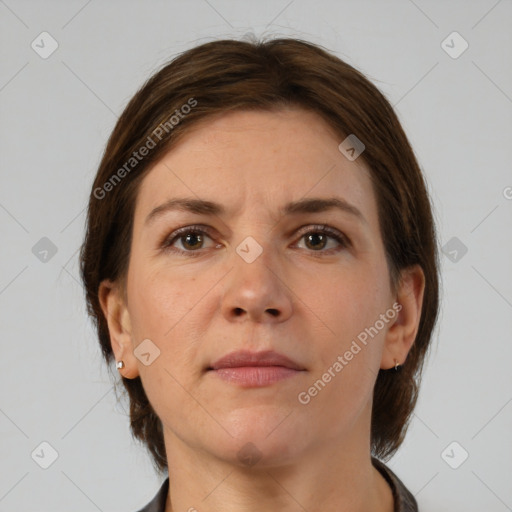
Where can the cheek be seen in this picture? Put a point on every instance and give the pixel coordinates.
(348, 348)
(161, 306)
(167, 306)
(159, 300)
(346, 301)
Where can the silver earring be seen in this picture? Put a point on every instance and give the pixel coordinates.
(397, 366)
(120, 365)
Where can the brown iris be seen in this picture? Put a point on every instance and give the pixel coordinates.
(315, 237)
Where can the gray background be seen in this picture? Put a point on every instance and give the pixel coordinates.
(56, 115)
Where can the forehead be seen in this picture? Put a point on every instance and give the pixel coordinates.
(259, 159)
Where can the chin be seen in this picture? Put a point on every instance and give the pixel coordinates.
(254, 454)
(261, 437)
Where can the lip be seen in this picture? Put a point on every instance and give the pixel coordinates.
(243, 358)
(255, 369)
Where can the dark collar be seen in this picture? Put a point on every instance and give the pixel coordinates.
(404, 500)
(157, 504)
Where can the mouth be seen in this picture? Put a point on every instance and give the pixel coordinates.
(255, 369)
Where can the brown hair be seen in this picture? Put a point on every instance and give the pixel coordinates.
(228, 75)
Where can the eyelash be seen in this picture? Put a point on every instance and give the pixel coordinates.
(202, 230)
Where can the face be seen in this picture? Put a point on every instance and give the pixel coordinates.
(284, 260)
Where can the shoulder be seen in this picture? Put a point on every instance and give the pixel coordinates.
(404, 500)
(157, 504)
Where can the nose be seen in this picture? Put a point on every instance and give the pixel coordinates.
(257, 291)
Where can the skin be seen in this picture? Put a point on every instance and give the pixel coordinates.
(305, 298)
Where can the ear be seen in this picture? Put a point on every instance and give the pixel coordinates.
(112, 303)
(402, 333)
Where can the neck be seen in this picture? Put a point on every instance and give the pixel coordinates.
(328, 476)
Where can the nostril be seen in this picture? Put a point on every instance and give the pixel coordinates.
(240, 311)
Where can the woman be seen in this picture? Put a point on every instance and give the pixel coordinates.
(261, 263)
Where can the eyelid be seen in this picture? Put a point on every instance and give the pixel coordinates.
(168, 240)
(332, 232)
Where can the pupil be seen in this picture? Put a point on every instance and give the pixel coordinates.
(317, 237)
(191, 236)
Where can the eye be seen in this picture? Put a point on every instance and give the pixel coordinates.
(317, 238)
(191, 239)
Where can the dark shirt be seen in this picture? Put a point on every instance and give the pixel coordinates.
(404, 500)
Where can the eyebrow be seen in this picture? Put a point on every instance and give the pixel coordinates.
(204, 207)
